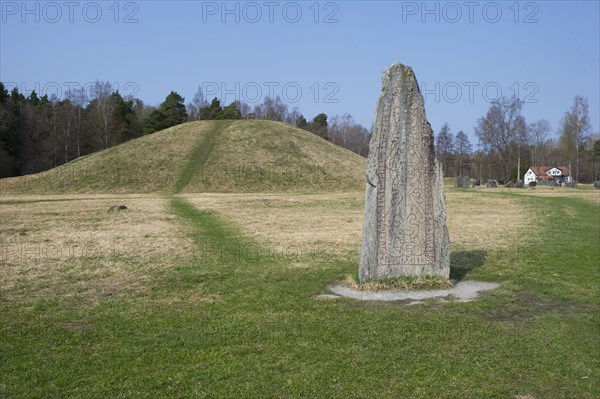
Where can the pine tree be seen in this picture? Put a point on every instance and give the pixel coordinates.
(319, 126)
(212, 111)
(170, 113)
(230, 112)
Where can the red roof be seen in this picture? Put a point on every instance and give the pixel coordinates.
(565, 170)
(539, 170)
(542, 171)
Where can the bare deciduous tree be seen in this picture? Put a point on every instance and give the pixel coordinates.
(104, 108)
(539, 139)
(66, 120)
(502, 131)
(462, 150)
(194, 107)
(444, 145)
(574, 125)
(79, 99)
(274, 109)
(294, 116)
(345, 132)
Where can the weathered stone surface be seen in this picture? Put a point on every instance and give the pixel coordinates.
(462, 182)
(519, 184)
(597, 185)
(491, 183)
(510, 184)
(404, 231)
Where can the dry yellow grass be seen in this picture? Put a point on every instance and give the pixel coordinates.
(334, 221)
(319, 222)
(47, 248)
(481, 220)
(46, 244)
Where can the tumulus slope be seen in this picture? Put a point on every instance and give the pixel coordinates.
(206, 156)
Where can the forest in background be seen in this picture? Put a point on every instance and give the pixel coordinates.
(39, 133)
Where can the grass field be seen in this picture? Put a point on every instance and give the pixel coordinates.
(214, 295)
(209, 284)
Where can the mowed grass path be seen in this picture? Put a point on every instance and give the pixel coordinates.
(200, 154)
(252, 328)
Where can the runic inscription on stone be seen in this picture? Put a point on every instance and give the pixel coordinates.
(404, 231)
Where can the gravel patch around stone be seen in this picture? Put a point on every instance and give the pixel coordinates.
(464, 291)
(322, 297)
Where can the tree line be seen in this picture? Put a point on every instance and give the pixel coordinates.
(508, 145)
(39, 133)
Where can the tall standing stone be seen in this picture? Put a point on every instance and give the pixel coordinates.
(404, 231)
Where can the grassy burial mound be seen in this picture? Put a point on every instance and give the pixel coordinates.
(206, 156)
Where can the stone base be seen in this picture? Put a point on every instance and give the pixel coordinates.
(464, 291)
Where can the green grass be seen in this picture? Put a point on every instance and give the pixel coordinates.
(261, 333)
(561, 259)
(200, 154)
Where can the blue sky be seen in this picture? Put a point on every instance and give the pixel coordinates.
(321, 56)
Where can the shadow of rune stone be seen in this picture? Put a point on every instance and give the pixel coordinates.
(404, 232)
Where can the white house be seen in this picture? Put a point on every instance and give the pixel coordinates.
(558, 174)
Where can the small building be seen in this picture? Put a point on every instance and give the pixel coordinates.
(554, 174)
